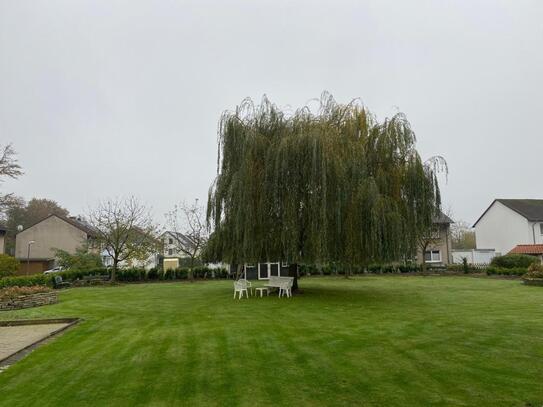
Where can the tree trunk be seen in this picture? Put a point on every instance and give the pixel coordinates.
(293, 272)
(114, 270)
(423, 264)
(191, 274)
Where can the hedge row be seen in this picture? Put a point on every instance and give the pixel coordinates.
(503, 271)
(202, 272)
(511, 261)
(26, 281)
(335, 269)
(154, 274)
(125, 275)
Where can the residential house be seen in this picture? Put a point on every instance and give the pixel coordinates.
(535, 250)
(507, 223)
(172, 244)
(439, 249)
(35, 246)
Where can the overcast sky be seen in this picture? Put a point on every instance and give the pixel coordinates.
(111, 98)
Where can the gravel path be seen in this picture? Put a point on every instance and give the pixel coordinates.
(15, 338)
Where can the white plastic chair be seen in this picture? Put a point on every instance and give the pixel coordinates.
(249, 286)
(240, 287)
(286, 288)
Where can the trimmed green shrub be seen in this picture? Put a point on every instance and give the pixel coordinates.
(26, 281)
(123, 275)
(220, 272)
(131, 274)
(8, 265)
(409, 268)
(74, 274)
(153, 274)
(465, 266)
(182, 273)
(503, 271)
(201, 272)
(514, 261)
(169, 274)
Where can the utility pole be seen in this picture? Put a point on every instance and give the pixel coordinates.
(30, 243)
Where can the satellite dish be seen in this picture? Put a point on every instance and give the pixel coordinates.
(19, 228)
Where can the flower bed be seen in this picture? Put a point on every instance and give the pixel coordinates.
(26, 297)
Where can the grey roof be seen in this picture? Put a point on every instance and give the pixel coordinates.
(78, 223)
(442, 218)
(182, 239)
(531, 209)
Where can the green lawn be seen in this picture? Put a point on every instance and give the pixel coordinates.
(383, 341)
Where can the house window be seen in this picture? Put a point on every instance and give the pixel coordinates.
(541, 228)
(170, 252)
(170, 241)
(432, 256)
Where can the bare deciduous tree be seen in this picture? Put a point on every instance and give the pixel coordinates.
(9, 168)
(188, 222)
(125, 229)
(463, 236)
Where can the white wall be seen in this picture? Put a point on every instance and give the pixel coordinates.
(502, 229)
(474, 256)
(535, 230)
(173, 246)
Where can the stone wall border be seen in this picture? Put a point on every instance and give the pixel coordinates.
(29, 301)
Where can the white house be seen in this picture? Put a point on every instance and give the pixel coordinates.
(172, 242)
(510, 222)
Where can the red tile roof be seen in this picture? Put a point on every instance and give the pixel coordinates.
(528, 249)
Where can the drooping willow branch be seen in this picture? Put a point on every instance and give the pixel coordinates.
(331, 186)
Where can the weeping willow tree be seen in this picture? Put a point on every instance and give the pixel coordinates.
(334, 185)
